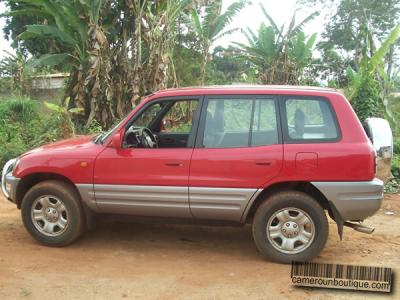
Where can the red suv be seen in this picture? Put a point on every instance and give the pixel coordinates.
(275, 157)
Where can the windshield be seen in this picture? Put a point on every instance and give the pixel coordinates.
(104, 135)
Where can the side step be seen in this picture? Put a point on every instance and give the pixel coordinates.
(360, 227)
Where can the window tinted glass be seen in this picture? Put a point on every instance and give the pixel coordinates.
(179, 117)
(310, 119)
(148, 115)
(264, 125)
(240, 123)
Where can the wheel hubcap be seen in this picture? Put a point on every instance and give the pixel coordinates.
(290, 230)
(49, 215)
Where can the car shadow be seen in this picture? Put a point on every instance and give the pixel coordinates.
(161, 237)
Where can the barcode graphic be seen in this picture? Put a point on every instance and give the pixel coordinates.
(338, 271)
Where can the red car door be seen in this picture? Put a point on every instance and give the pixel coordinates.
(238, 150)
(147, 181)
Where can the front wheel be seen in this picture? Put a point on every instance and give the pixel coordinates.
(52, 213)
(290, 226)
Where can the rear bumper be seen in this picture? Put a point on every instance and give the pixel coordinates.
(355, 200)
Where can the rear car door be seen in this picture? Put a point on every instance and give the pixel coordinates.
(238, 150)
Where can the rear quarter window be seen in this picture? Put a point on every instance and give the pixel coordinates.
(309, 120)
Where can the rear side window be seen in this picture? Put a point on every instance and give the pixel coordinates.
(310, 119)
(240, 123)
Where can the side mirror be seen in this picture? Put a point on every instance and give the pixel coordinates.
(117, 140)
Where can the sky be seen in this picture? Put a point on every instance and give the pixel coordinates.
(281, 12)
(251, 16)
(4, 44)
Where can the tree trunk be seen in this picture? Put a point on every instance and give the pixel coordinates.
(203, 65)
(97, 80)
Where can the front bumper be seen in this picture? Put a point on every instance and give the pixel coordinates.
(355, 200)
(9, 183)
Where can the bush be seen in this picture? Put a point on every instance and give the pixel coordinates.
(396, 159)
(11, 143)
(396, 166)
(94, 127)
(396, 146)
(367, 101)
(24, 125)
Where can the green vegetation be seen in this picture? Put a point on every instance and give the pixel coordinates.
(24, 125)
(367, 86)
(279, 56)
(212, 27)
(117, 52)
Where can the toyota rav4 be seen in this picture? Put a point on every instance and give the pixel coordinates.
(279, 158)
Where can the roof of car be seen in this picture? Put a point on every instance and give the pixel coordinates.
(243, 89)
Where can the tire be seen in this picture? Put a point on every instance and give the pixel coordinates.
(52, 213)
(297, 227)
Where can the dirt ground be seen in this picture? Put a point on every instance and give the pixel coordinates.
(146, 261)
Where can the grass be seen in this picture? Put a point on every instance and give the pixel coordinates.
(25, 124)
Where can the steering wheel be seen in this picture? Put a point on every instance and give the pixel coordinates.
(140, 137)
(147, 138)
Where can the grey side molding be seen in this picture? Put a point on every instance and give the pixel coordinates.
(87, 195)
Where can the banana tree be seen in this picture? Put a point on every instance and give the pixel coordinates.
(151, 38)
(77, 25)
(278, 55)
(300, 55)
(16, 68)
(367, 86)
(212, 27)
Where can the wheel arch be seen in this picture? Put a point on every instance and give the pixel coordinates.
(30, 180)
(301, 186)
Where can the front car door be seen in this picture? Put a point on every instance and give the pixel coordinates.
(150, 181)
(238, 150)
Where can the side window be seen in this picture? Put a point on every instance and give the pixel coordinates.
(310, 119)
(168, 122)
(179, 117)
(240, 123)
(264, 131)
(149, 115)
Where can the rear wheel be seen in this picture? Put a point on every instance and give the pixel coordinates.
(290, 226)
(52, 213)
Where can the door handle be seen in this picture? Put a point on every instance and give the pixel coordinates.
(263, 163)
(174, 164)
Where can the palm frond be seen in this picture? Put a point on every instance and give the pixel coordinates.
(212, 12)
(48, 60)
(26, 12)
(271, 20)
(47, 30)
(225, 19)
(227, 32)
(311, 40)
(70, 11)
(196, 23)
(380, 54)
(304, 22)
(250, 36)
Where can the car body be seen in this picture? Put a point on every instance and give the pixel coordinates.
(214, 154)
